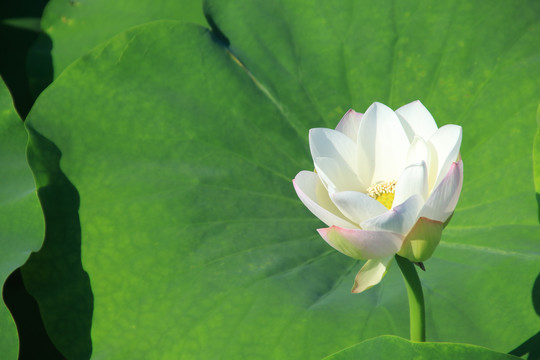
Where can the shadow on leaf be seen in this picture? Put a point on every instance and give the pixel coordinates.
(532, 345)
(54, 275)
(17, 46)
(34, 343)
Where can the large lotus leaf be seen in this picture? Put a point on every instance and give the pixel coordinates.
(77, 26)
(21, 220)
(447, 55)
(193, 238)
(392, 347)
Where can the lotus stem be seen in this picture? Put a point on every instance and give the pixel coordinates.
(417, 310)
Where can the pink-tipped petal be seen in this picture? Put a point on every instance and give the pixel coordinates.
(443, 200)
(417, 120)
(421, 241)
(349, 124)
(399, 219)
(371, 274)
(446, 143)
(362, 244)
(383, 144)
(306, 184)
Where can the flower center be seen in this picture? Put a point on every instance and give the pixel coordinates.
(383, 192)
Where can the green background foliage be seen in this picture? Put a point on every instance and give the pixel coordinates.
(164, 159)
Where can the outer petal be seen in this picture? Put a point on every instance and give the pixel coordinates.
(305, 183)
(371, 274)
(446, 143)
(382, 144)
(362, 244)
(358, 206)
(333, 144)
(412, 181)
(421, 241)
(349, 124)
(443, 200)
(398, 220)
(337, 176)
(416, 120)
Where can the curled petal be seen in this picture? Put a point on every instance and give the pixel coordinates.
(333, 144)
(350, 123)
(446, 143)
(417, 120)
(412, 181)
(306, 184)
(421, 241)
(358, 206)
(362, 244)
(337, 175)
(418, 152)
(443, 200)
(371, 274)
(399, 219)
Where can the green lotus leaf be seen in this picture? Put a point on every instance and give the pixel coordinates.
(182, 151)
(75, 27)
(392, 347)
(21, 219)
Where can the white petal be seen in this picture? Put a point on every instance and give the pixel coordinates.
(306, 183)
(399, 220)
(446, 142)
(358, 206)
(364, 166)
(417, 120)
(349, 124)
(362, 244)
(337, 175)
(418, 152)
(323, 199)
(332, 144)
(444, 198)
(412, 181)
(371, 274)
(382, 144)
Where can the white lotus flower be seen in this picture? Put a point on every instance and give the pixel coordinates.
(385, 182)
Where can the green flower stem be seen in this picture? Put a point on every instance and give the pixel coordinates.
(417, 308)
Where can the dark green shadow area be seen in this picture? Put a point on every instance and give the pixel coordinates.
(54, 275)
(532, 345)
(34, 343)
(19, 30)
(216, 33)
(39, 65)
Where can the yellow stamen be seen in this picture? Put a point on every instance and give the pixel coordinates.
(383, 193)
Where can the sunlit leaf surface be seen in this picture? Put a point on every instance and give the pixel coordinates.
(391, 347)
(194, 241)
